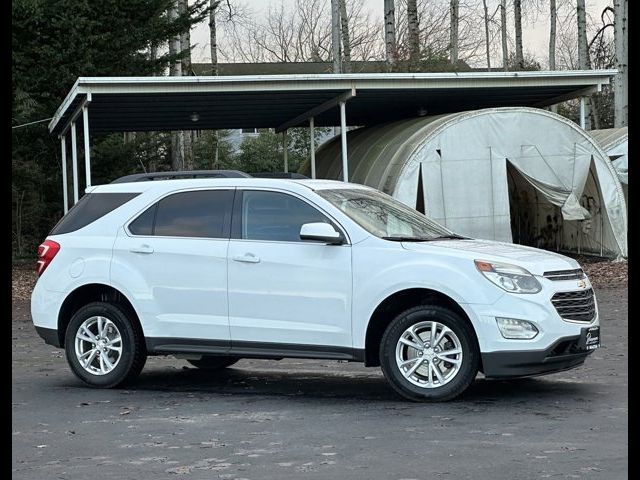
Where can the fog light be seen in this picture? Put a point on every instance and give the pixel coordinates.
(514, 328)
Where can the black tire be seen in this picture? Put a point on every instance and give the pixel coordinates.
(133, 356)
(212, 362)
(470, 354)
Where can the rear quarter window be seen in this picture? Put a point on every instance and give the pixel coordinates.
(90, 208)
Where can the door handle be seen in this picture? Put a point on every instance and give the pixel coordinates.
(144, 248)
(246, 258)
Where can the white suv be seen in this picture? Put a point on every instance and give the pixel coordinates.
(215, 270)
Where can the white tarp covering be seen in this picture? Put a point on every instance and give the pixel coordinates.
(615, 142)
(461, 162)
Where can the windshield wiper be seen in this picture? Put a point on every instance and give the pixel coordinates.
(406, 239)
(450, 237)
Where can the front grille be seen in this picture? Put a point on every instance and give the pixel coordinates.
(579, 305)
(558, 275)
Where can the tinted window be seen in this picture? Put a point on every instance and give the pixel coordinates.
(276, 216)
(90, 208)
(193, 214)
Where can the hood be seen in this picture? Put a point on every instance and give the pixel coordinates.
(534, 260)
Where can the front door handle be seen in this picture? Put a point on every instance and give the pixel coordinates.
(144, 248)
(246, 258)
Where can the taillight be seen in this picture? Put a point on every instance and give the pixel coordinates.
(46, 252)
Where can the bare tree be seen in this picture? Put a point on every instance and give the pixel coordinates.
(390, 33)
(301, 33)
(346, 44)
(213, 35)
(503, 32)
(517, 17)
(583, 44)
(453, 33)
(414, 35)
(487, 39)
(621, 100)
(175, 69)
(553, 19)
(335, 36)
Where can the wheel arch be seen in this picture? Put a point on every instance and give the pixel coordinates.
(93, 292)
(395, 304)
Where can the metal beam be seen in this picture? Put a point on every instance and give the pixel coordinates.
(312, 133)
(583, 108)
(74, 160)
(343, 137)
(65, 193)
(568, 96)
(87, 148)
(315, 111)
(76, 113)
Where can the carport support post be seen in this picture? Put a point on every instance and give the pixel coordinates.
(284, 151)
(65, 194)
(583, 122)
(87, 153)
(74, 160)
(312, 133)
(343, 137)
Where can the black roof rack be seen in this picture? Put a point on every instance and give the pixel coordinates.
(292, 175)
(146, 177)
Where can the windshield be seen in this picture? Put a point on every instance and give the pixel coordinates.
(384, 216)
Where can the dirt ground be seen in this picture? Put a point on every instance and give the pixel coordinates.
(298, 419)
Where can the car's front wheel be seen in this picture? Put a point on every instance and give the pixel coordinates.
(103, 347)
(429, 353)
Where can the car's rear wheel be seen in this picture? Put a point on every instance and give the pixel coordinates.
(103, 347)
(429, 353)
(211, 362)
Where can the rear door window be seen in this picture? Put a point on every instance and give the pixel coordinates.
(202, 213)
(90, 208)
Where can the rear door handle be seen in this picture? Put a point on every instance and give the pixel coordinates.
(142, 249)
(246, 258)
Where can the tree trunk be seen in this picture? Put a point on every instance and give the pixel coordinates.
(621, 83)
(185, 41)
(213, 46)
(453, 32)
(414, 34)
(503, 32)
(346, 44)
(552, 34)
(584, 62)
(175, 66)
(517, 16)
(486, 33)
(583, 45)
(335, 36)
(175, 69)
(390, 33)
(213, 36)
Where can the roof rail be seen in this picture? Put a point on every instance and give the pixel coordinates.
(146, 177)
(292, 175)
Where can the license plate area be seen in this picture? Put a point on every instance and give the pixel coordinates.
(589, 338)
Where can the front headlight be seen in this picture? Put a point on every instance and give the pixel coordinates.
(511, 278)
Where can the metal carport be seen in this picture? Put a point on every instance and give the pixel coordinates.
(121, 104)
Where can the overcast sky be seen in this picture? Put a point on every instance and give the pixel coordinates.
(535, 34)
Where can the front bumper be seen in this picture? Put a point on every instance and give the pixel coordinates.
(564, 354)
(49, 335)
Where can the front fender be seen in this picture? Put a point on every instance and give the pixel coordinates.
(382, 272)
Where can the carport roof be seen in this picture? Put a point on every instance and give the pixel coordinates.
(119, 104)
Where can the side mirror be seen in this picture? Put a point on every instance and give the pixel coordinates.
(321, 232)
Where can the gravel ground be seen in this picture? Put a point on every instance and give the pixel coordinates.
(317, 419)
